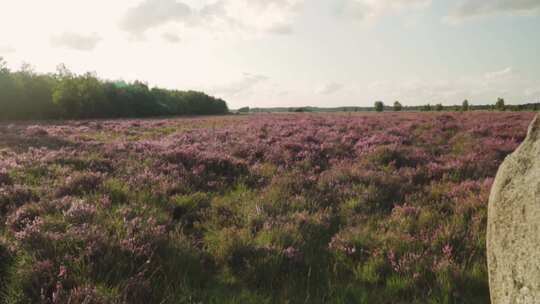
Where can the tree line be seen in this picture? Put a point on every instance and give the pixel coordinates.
(25, 94)
(499, 105)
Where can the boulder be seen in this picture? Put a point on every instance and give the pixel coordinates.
(513, 232)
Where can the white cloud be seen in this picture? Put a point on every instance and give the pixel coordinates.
(6, 49)
(370, 10)
(241, 87)
(479, 89)
(80, 42)
(329, 88)
(533, 93)
(171, 37)
(474, 8)
(504, 73)
(154, 13)
(275, 16)
(245, 16)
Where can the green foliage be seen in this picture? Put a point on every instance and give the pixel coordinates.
(499, 105)
(243, 110)
(426, 108)
(397, 106)
(118, 191)
(132, 220)
(379, 106)
(439, 107)
(465, 105)
(302, 110)
(81, 97)
(27, 95)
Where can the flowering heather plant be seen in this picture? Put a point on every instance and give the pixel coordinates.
(5, 179)
(80, 183)
(80, 212)
(12, 197)
(36, 131)
(318, 208)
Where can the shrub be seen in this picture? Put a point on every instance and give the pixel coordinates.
(186, 208)
(5, 179)
(23, 217)
(118, 192)
(80, 183)
(13, 197)
(80, 212)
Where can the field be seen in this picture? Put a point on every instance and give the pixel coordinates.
(290, 208)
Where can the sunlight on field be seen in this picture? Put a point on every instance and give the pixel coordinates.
(315, 208)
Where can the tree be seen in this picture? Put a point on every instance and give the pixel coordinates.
(3, 66)
(426, 108)
(243, 110)
(379, 106)
(65, 94)
(25, 94)
(439, 107)
(32, 93)
(397, 106)
(7, 91)
(499, 105)
(465, 105)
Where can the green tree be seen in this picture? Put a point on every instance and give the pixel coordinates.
(499, 105)
(7, 91)
(465, 105)
(439, 107)
(26, 94)
(66, 94)
(397, 106)
(3, 66)
(379, 106)
(426, 108)
(243, 110)
(32, 93)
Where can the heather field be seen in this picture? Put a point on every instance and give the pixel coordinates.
(290, 208)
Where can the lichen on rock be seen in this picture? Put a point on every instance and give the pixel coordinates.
(513, 233)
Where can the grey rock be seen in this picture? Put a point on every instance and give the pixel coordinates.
(513, 232)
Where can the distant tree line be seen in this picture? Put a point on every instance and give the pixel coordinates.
(500, 105)
(25, 94)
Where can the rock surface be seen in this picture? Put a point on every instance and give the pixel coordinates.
(513, 233)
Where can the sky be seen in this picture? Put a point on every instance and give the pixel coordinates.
(272, 53)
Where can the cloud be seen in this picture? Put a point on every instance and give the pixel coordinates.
(282, 29)
(6, 49)
(483, 88)
(474, 8)
(273, 16)
(533, 93)
(370, 10)
(243, 86)
(171, 37)
(237, 16)
(80, 42)
(329, 88)
(504, 73)
(153, 13)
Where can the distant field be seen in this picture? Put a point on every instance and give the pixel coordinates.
(270, 208)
